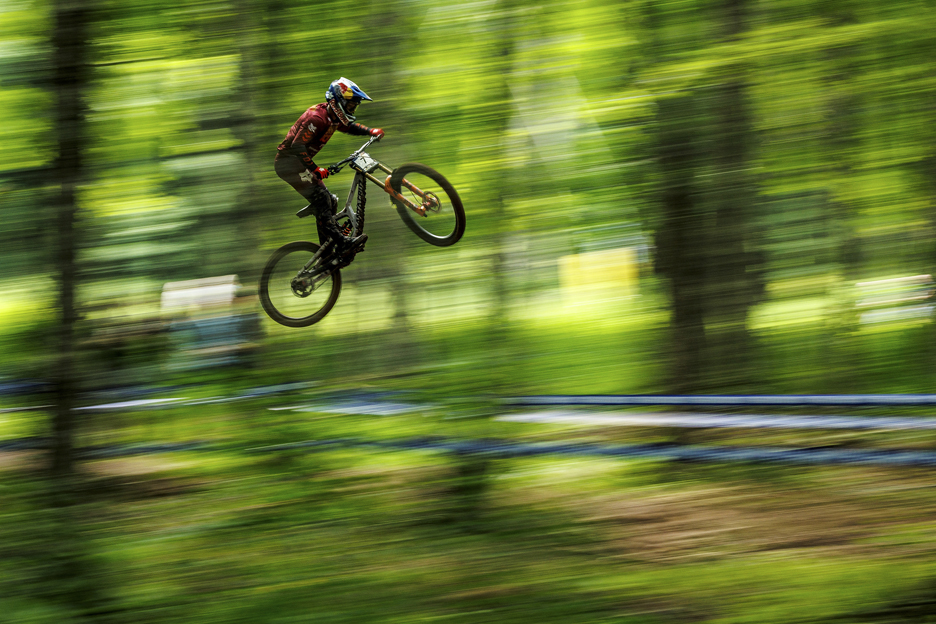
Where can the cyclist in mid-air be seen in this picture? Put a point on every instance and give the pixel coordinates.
(307, 136)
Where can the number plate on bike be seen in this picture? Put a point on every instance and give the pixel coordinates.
(365, 163)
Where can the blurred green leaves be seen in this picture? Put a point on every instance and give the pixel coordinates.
(552, 121)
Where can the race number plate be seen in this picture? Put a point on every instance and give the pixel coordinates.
(365, 163)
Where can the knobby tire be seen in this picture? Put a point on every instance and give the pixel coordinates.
(413, 220)
(301, 249)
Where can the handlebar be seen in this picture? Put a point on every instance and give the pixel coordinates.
(338, 166)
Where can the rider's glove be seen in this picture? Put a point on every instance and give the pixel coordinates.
(377, 132)
(321, 172)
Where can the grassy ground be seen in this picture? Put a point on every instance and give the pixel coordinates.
(366, 535)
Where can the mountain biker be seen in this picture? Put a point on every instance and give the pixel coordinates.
(307, 136)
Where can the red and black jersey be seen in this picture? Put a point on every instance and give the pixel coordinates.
(311, 132)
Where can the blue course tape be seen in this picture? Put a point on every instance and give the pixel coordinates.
(24, 444)
(862, 400)
(103, 452)
(717, 454)
(23, 386)
(724, 421)
(505, 449)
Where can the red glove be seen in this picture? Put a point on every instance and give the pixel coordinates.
(321, 172)
(377, 132)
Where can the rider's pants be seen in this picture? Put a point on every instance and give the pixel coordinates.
(292, 170)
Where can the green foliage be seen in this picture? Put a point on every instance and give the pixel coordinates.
(758, 168)
(548, 119)
(376, 535)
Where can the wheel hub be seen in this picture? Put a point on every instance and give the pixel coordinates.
(301, 287)
(432, 202)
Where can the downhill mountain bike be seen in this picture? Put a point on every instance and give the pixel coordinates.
(301, 281)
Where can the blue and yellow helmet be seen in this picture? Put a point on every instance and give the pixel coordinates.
(342, 98)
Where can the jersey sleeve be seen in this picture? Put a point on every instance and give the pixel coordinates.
(306, 159)
(355, 129)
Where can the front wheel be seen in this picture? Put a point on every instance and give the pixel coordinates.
(289, 294)
(444, 221)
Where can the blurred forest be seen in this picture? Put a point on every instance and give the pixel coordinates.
(688, 195)
(694, 196)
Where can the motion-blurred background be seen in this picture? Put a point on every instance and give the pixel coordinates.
(711, 196)
(702, 196)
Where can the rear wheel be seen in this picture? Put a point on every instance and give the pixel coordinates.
(290, 296)
(444, 221)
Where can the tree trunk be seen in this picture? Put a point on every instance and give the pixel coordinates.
(735, 277)
(680, 233)
(69, 82)
(843, 365)
(252, 46)
(680, 239)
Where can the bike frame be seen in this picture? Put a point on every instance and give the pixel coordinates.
(364, 166)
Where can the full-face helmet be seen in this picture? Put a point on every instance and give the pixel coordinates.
(342, 98)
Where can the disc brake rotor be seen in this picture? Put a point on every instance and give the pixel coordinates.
(432, 202)
(302, 286)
